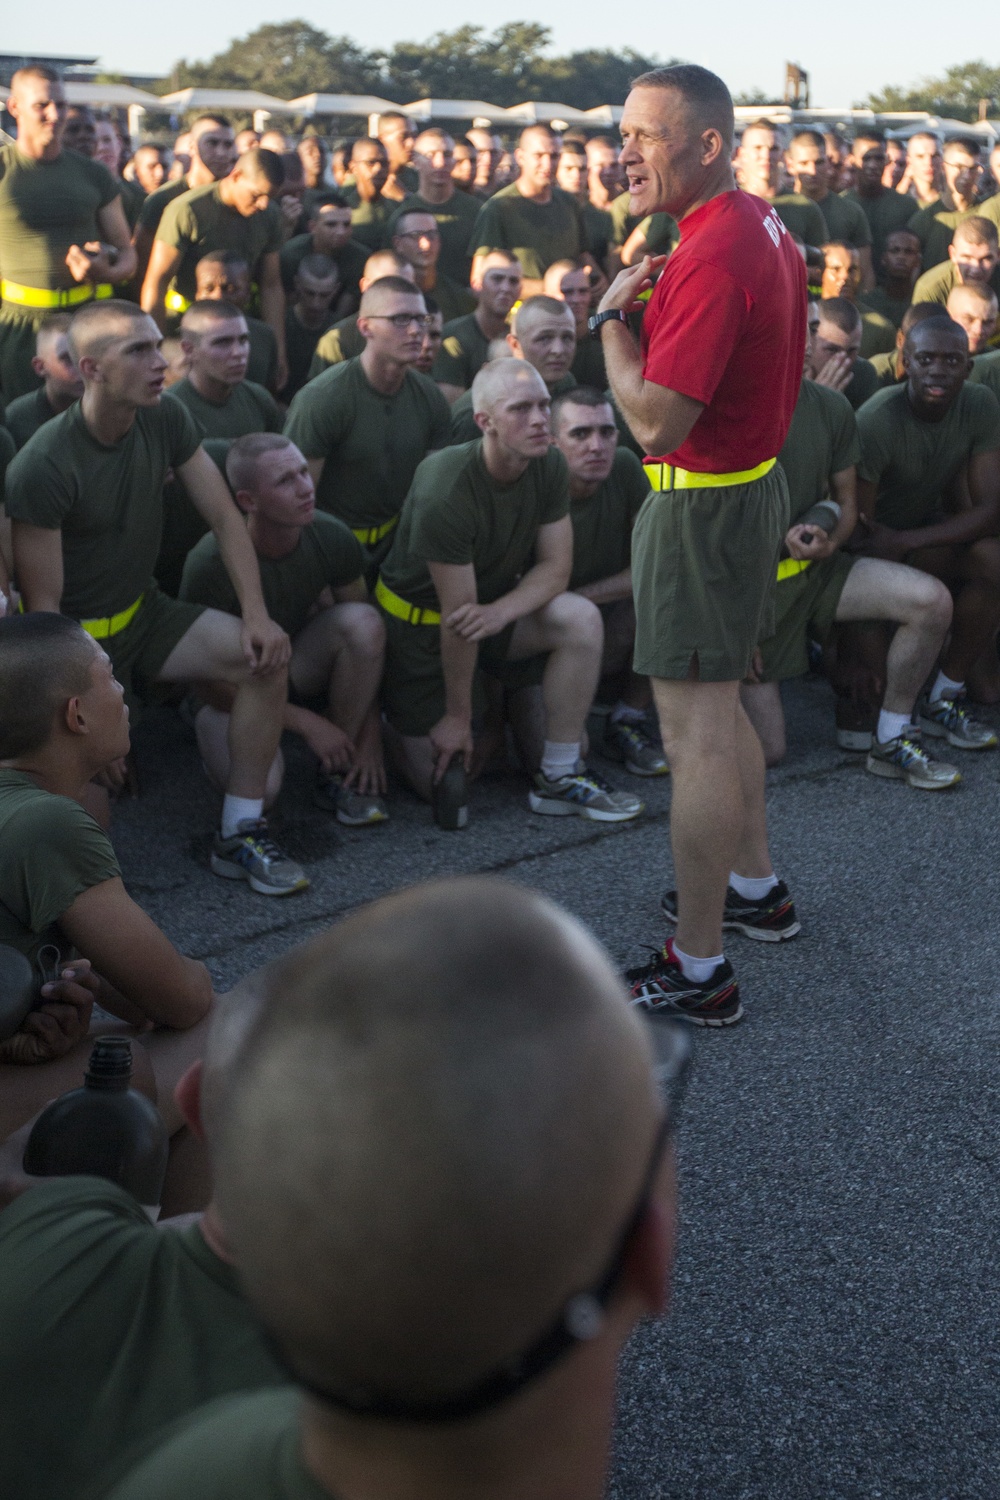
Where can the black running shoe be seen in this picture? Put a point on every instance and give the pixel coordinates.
(772, 919)
(660, 985)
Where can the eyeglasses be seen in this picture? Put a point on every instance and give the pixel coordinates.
(419, 234)
(402, 321)
(581, 1317)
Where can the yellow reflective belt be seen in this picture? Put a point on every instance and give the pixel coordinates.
(175, 303)
(667, 477)
(112, 624)
(37, 296)
(411, 613)
(792, 566)
(369, 535)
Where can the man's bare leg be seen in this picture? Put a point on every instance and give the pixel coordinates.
(340, 654)
(973, 574)
(763, 707)
(921, 606)
(569, 629)
(211, 728)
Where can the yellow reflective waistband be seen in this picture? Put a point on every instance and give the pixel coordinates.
(667, 477)
(112, 624)
(369, 535)
(411, 613)
(790, 566)
(175, 303)
(37, 296)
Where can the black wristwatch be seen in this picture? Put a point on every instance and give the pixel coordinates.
(594, 323)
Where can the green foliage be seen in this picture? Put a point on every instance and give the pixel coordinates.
(287, 60)
(956, 94)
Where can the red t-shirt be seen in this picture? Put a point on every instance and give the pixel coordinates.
(726, 325)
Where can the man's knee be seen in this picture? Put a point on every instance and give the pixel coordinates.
(983, 564)
(763, 707)
(932, 603)
(362, 628)
(576, 621)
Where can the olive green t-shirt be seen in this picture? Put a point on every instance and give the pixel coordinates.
(153, 206)
(845, 220)
(263, 364)
(46, 206)
(602, 523)
(937, 284)
(463, 351)
(801, 216)
(300, 346)
(598, 229)
(198, 221)
(465, 428)
(453, 301)
(878, 300)
(107, 501)
(934, 227)
(349, 260)
(622, 222)
(889, 211)
(878, 335)
(986, 371)
(911, 461)
(863, 383)
(884, 366)
(25, 415)
(661, 233)
(240, 1448)
(112, 1329)
(7, 451)
(133, 198)
(338, 344)
(328, 555)
(455, 221)
(371, 443)
(537, 233)
(456, 512)
(588, 364)
(249, 409)
(370, 220)
(51, 851)
(822, 440)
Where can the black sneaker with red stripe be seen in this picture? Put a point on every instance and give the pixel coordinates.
(772, 919)
(661, 985)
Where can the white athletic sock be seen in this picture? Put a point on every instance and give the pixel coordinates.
(945, 687)
(559, 760)
(890, 726)
(698, 970)
(624, 713)
(237, 810)
(752, 888)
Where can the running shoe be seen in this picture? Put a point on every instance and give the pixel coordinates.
(251, 856)
(905, 759)
(948, 719)
(772, 919)
(630, 745)
(450, 796)
(660, 985)
(585, 795)
(355, 809)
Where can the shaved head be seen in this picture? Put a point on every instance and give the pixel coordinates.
(502, 378)
(708, 101)
(45, 660)
(98, 325)
(974, 294)
(535, 308)
(385, 292)
(434, 1140)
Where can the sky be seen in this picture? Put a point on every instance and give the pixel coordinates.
(747, 45)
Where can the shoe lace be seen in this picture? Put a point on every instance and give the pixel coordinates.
(255, 834)
(912, 751)
(641, 972)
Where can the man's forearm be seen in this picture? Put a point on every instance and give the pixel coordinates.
(961, 530)
(458, 666)
(240, 562)
(153, 299)
(608, 590)
(623, 364)
(272, 305)
(538, 586)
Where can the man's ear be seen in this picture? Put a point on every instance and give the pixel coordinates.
(38, 365)
(187, 1097)
(650, 1256)
(246, 502)
(74, 718)
(482, 420)
(515, 344)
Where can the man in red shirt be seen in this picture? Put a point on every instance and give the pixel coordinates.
(710, 394)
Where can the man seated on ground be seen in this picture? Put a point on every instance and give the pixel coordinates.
(145, 1322)
(370, 209)
(834, 359)
(365, 425)
(543, 333)
(929, 494)
(224, 276)
(899, 268)
(85, 498)
(455, 212)
(935, 224)
(329, 233)
(235, 214)
(884, 208)
(570, 282)
(889, 367)
(818, 585)
(466, 340)
(62, 383)
(315, 289)
(476, 578)
(532, 217)
(416, 237)
(973, 256)
(809, 168)
(606, 490)
(344, 340)
(457, 1340)
(215, 389)
(842, 278)
(62, 723)
(311, 577)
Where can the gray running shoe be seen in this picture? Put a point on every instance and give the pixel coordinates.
(355, 809)
(630, 745)
(947, 719)
(585, 795)
(251, 856)
(905, 759)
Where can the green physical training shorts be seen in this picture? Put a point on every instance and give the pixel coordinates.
(803, 605)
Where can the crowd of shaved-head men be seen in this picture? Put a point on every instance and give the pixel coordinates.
(313, 443)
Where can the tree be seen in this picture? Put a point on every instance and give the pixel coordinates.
(287, 60)
(956, 94)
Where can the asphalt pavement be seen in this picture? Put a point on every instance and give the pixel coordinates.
(833, 1331)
